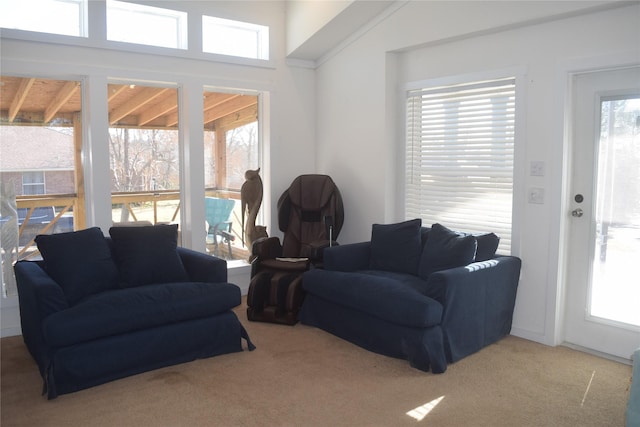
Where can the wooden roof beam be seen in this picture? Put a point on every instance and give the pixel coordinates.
(164, 107)
(230, 107)
(61, 97)
(115, 90)
(18, 99)
(211, 100)
(240, 118)
(144, 97)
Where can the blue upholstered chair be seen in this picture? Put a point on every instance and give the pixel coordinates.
(218, 213)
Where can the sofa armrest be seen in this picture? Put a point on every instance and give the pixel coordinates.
(202, 267)
(478, 301)
(349, 257)
(37, 290)
(39, 296)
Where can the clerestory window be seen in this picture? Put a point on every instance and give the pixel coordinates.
(65, 17)
(152, 26)
(235, 38)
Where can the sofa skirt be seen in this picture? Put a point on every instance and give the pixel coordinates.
(422, 347)
(96, 362)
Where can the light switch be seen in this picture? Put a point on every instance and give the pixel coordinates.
(537, 168)
(536, 195)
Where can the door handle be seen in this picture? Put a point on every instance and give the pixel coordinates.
(577, 213)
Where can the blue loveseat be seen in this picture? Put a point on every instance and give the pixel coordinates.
(428, 295)
(96, 309)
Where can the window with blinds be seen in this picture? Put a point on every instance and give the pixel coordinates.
(460, 155)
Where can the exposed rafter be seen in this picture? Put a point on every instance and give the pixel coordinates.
(18, 99)
(61, 98)
(168, 105)
(142, 98)
(29, 101)
(115, 90)
(230, 107)
(215, 99)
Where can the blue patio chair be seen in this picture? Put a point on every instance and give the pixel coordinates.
(217, 214)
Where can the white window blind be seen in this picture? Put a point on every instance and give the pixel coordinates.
(460, 152)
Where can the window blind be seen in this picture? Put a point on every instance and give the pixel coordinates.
(459, 157)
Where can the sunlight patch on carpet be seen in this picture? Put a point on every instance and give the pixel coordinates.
(422, 411)
(588, 387)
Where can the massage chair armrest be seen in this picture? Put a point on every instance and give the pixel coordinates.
(202, 267)
(266, 248)
(262, 249)
(315, 251)
(349, 257)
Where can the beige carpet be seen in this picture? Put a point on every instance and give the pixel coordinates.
(301, 376)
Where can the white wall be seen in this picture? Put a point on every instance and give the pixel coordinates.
(287, 116)
(359, 127)
(306, 18)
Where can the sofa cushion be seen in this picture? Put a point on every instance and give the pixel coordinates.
(147, 255)
(396, 247)
(393, 297)
(125, 310)
(487, 246)
(79, 261)
(446, 249)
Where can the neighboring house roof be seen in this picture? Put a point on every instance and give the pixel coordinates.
(24, 148)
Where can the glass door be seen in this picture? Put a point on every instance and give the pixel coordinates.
(602, 289)
(615, 288)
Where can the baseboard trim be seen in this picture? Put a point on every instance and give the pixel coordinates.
(531, 336)
(10, 332)
(597, 353)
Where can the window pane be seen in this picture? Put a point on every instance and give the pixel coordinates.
(234, 38)
(33, 183)
(38, 149)
(231, 148)
(144, 153)
(460, 147)
(66, 17)
(153, 26)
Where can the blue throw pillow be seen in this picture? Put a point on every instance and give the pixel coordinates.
(446, 249)
(396, 247)
(79, 261)
(147, 255)
(487, 246)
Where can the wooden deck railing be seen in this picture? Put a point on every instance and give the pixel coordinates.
(28, 229)
(152, 206)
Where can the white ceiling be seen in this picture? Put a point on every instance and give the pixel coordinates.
(352, 17)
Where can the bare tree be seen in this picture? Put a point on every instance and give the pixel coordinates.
(143, 160)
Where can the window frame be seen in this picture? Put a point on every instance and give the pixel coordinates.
(41, 183)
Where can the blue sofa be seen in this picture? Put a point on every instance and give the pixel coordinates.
(428, 295)
(96, 309)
